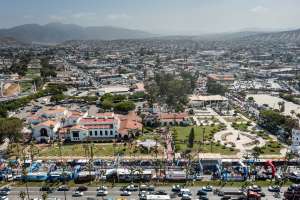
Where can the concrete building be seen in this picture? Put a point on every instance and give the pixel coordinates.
(224, 79)
(295, 147)
(201, 101)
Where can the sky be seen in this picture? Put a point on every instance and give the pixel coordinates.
(157, 16)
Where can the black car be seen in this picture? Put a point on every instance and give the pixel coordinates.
(82, 188)
(176, 188)
(63, 188)
(201, 193)
(226, 198)
(203, 198)
(159, 192)
(45, 189)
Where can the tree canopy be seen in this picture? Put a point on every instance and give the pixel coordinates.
(171, 89)
(10, 128)
(214, 88)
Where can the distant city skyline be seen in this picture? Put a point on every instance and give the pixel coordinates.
(157, 16)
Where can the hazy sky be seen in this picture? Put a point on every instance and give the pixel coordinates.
(157, 16)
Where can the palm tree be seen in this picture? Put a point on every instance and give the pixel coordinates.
(52, 134)
(22, 195)
(131, 172)
(292, 112)
(24, 173)
(140, 172)
(288, 156)
(63, 165)
(91, 160)
(44, 195)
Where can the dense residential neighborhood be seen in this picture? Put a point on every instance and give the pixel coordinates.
(197, 105)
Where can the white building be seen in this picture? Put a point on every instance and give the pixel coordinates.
(45, 131)
(95, 128)
(200, 101)
(295, 147)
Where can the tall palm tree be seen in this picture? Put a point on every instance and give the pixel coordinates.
(131, 172)
(63, 165)
(140, 172)
(52, 134)
(292, 112)
(22, 195)
(24, 172)
(91, 160)
(44, 195)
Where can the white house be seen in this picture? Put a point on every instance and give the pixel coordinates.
(295, 147)
(45, 131)
(95, 128)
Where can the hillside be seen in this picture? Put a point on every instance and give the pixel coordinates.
(58, 32)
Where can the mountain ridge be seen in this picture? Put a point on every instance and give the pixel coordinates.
(58, 32)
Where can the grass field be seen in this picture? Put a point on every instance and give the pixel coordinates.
(240, 127)
(271, 147)
(25, 86)
(181, 135)
(104, 149)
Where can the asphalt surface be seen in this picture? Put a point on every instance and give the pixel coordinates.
(115, 193)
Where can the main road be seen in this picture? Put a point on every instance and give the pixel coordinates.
(115, 193)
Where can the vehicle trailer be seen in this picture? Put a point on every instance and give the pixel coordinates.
(239, 195)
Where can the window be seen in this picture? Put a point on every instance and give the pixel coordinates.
(101, 133)
(91, 133)
(111, 132)
(75, 134)
(106, 133)
(96, 133)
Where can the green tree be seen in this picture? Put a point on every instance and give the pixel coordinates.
(124, 106)
(10, 128)
(22, 195)
(191, 138)
(215, 88)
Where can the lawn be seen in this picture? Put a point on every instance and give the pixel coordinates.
(104, 149)
(181, 134)
(149, 136)
(240, 126)
(26, 86)
(271, 147)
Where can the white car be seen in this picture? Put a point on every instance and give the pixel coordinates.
(77, 194)
(102, 187)
(186, 197)
(125, 193)
(101, 193)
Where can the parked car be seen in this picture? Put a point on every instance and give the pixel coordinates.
(255, 188)
(82, 188)
(77, 194)
(132, 188)
(125, 193)
(274, 188)
(186, 196)
(102, 193)
(203, 198)
(102, 187)
(207, 188)
(176, 188)
(45, 189)
(201, 193)
(63, 188)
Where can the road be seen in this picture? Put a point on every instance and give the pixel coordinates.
(115, 193)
